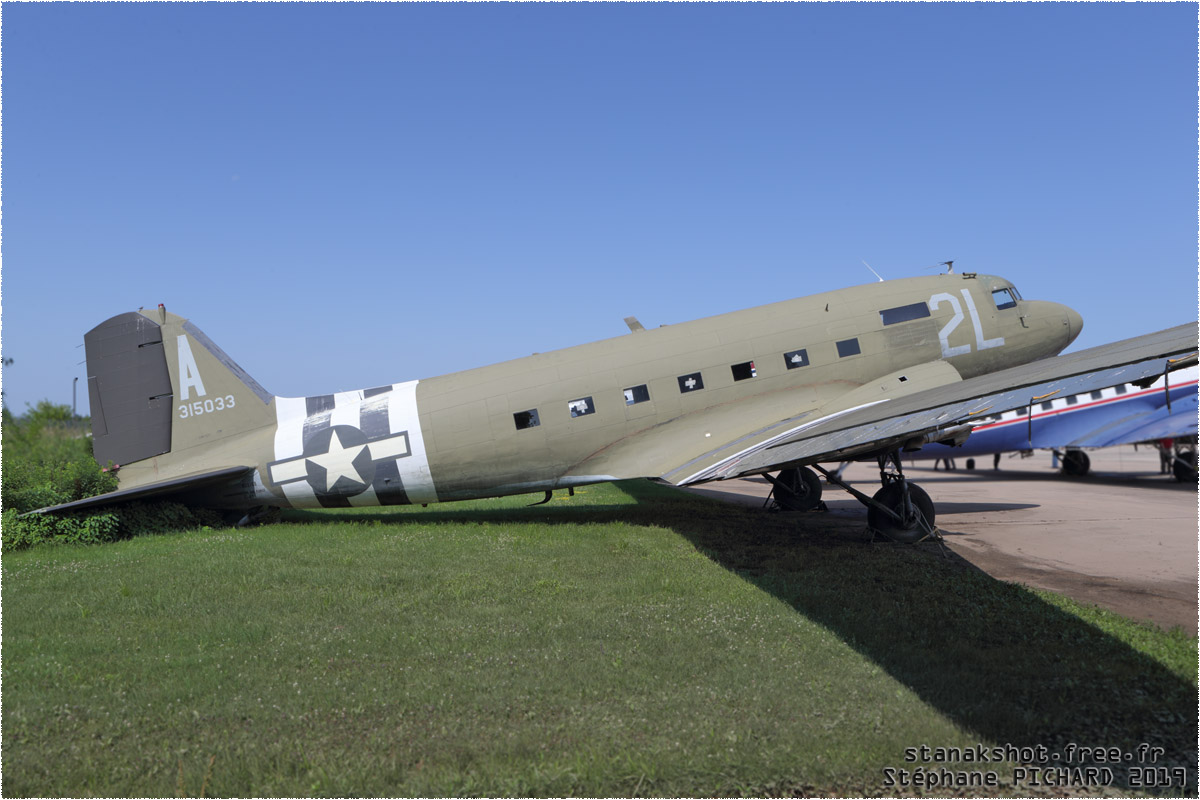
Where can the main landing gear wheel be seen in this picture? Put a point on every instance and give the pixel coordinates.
(1184, 466)
(797, 489)
(901, 511)
(1076, 463)
(912, 523)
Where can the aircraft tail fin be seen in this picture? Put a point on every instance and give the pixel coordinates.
(157, 385)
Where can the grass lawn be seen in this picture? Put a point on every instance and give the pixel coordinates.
(629, 640)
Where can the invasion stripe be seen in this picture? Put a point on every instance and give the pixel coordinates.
(375, 423)
(315, 405)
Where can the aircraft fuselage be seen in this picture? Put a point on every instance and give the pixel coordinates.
(571, 416)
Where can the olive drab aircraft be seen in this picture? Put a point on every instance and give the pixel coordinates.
(860, 373)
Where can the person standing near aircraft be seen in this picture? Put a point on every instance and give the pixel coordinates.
(1166, 455)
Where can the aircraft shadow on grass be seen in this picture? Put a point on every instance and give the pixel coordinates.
(994, 657)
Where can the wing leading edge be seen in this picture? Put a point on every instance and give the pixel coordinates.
(943, 411)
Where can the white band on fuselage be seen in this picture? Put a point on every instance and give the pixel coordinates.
(414, 470)
(383, 423)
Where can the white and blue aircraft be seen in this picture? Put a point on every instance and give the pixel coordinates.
(1123, 414)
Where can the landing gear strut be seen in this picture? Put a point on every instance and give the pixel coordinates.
(901, 511)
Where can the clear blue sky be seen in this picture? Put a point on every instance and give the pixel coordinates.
(346, 195)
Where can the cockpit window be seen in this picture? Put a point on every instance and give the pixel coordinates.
(1004, 298)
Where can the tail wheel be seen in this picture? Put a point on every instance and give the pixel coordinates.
(1184, 466)
(1076, 463)
(259, 515)
(798, 489)
(909, 528)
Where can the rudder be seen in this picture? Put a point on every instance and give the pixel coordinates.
(129, 388)
(157, 385)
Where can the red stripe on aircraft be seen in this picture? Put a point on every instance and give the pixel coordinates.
(1080, 406)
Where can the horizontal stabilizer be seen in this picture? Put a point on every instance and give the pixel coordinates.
(186, 484)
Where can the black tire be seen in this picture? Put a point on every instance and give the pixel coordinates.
(1184, 467)
(798, 489)
(970, 463)
(1076, 463)
(910, 530)
(260, 515)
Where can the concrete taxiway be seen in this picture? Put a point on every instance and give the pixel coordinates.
(1124, 537)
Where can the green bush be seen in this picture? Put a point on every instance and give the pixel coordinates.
(142, 519)
(20, 533)
(29, 483)
(47, 460)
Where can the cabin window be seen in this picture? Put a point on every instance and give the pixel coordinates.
(1097, 395)
(743, 371)
(636, 394)
(1046, 406)
(1072, 400)
(1004, 298)
(891, 316)
(690, 383)
(581, 407)
(1120, 389)
(526, 419)
(848, 347)
(796, 358)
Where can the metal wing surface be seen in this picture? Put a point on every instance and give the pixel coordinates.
(174, 486)
(1161, 423)
(944, 411)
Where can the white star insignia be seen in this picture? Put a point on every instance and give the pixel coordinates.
(338, 462)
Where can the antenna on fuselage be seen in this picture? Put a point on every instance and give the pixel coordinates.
(873, 272)
(949, 265)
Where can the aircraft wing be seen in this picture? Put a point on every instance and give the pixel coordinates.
(1161, 423)
(944, 411)
(182, 485)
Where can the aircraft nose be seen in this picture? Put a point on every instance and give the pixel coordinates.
(1074, 324)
